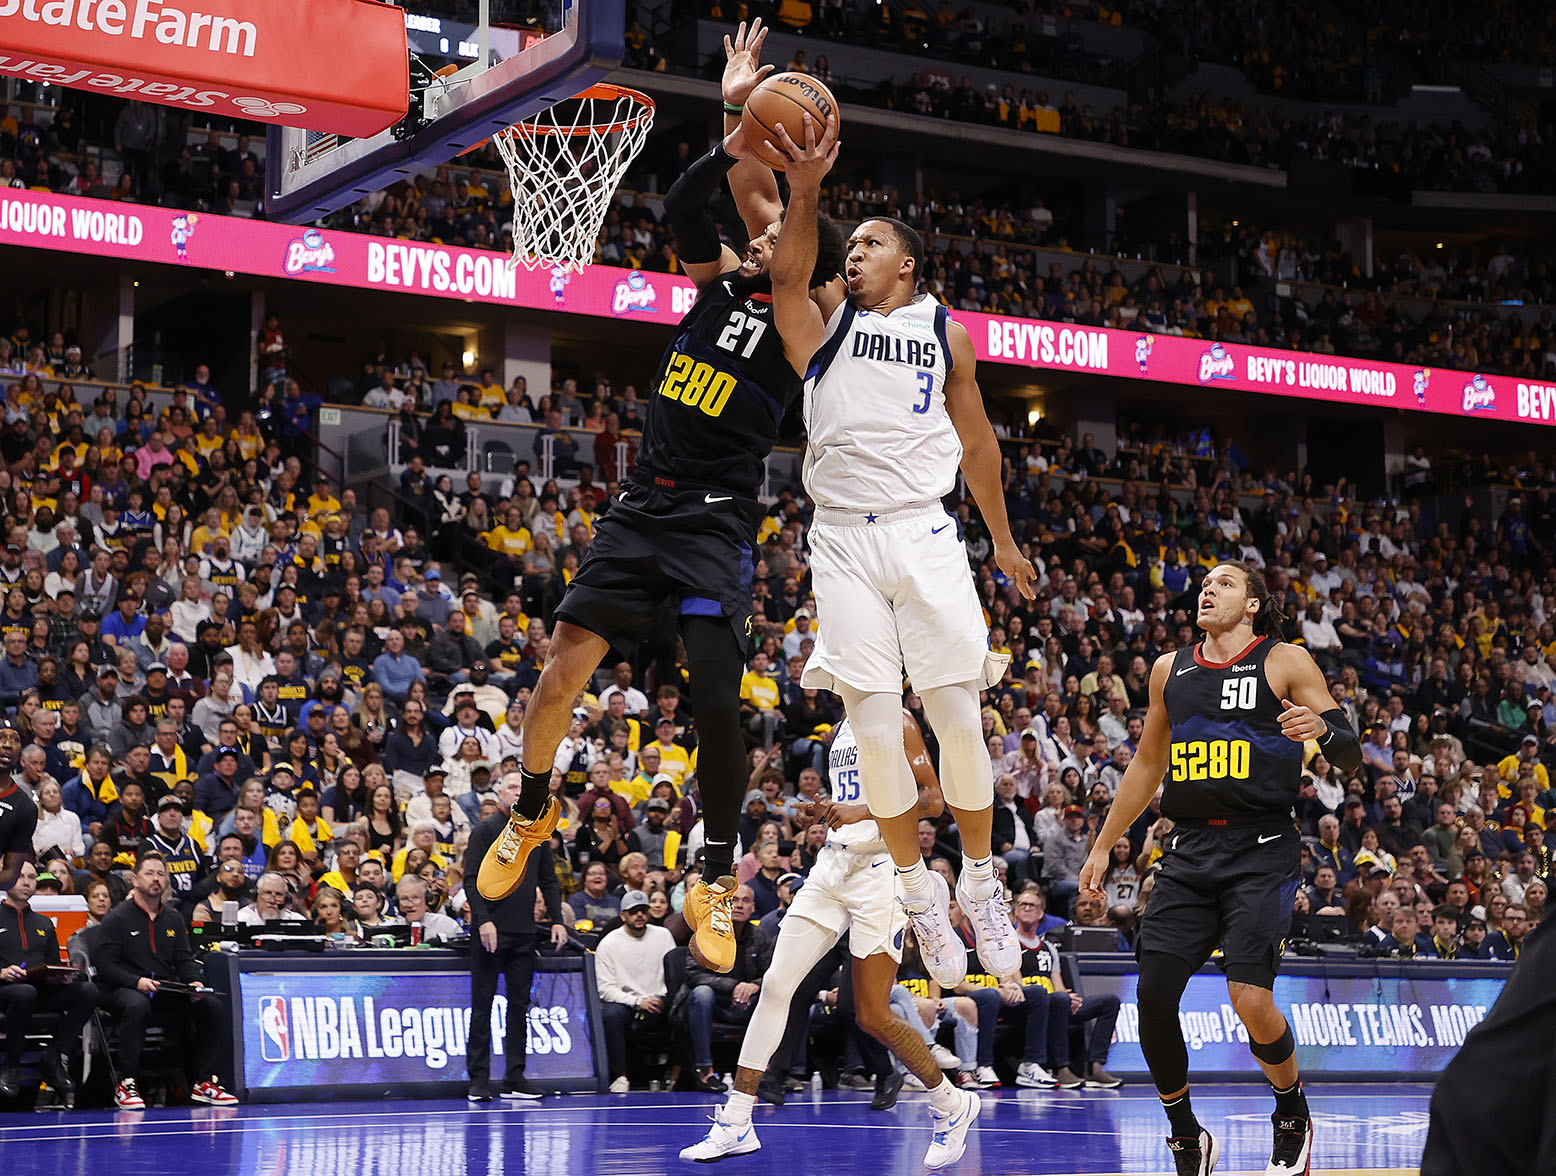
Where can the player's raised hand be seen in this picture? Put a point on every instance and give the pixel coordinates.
(810, 162)
(1299, 724)
(741, 71)
(1008, 558)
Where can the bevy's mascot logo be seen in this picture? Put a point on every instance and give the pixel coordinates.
(1423, 380)
(1480, 396)
(1215, 364)
(633, 293)
(1143, 354)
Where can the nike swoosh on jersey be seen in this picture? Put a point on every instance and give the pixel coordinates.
(937, 530)
(718, 498)
(1184, 670)
(133, 934)
(1270, 838)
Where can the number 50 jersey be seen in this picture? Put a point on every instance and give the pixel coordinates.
(722, 391)
(1230, 763)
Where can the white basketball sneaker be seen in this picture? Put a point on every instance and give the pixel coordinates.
(950, 1138)
(943, 953)
(998, 947)
(724, 1138)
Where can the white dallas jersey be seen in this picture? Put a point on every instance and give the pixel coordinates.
(843, 775)
(878, 434)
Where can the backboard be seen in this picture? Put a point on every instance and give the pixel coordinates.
(493, 74)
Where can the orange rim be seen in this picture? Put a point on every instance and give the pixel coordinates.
(603, 91)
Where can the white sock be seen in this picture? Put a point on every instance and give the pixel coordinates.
(945, 1098)
(914, 881)
(738, 1109)
(978, 873)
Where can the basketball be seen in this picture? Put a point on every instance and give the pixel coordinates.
(783, 100)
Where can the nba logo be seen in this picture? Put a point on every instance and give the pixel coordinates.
(275, 1040)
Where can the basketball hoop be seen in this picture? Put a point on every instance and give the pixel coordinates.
(564, 164)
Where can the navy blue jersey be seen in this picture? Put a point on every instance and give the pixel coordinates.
(722, 391)
(1230, 761)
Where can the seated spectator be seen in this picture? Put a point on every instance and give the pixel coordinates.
(411, 896)
(1064, 853)
(594, 901)
(25, 989)
(132, 967)
(270, 903)
(728, 997)
(630, 972)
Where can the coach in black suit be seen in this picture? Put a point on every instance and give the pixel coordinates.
(504, 944)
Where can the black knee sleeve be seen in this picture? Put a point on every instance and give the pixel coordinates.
(1275, 1052)
(1163, 978)
(716, 662)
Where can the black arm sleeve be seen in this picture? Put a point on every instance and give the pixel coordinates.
(1339, 744)
(686, 208)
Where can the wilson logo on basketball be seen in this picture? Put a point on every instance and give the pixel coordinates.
(814, 94)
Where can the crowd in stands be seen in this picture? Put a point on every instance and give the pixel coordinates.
(304, 704)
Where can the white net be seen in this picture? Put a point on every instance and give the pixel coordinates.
(564, 164)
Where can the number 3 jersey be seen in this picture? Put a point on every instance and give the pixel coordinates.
(878, 436)
(843, 776)
(722, 391)
(1230, 763)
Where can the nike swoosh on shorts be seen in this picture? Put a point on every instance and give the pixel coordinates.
(937, 530)
(1270, 838)
(717, 498)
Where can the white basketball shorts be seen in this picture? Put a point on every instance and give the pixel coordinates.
(893, 595)
(857, 893)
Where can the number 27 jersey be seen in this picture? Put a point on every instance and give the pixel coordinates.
(723, 388)
(1230, 761)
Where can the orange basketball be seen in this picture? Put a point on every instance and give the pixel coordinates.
(784, 99)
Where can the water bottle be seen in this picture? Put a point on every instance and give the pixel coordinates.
(229, 914)
(815, 1084)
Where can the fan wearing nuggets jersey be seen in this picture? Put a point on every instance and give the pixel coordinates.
(1226, 726)
(683, 529)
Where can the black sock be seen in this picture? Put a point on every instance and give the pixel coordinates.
(1291, 1102)
(718, 860)
(1180, 1113)
(533, 794)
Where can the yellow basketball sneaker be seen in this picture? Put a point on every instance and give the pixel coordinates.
(502, 869)
(707, 913)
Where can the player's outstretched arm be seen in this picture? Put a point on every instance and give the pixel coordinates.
(1310, 713)
(981, 464)
(1141, 780)
(798, 318)
(703, 256)
(751, 181)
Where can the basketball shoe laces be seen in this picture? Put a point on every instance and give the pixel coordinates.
(928, 932)
(720, 916)
(989, 916)
(512, 841)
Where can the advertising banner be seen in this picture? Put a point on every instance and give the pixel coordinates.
(382, 1028)
(78, 225)
(231, 58)
(1353, 1025)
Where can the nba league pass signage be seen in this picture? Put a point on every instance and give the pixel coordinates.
(382, 1029)
(1383, 1025)
(78, 225)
